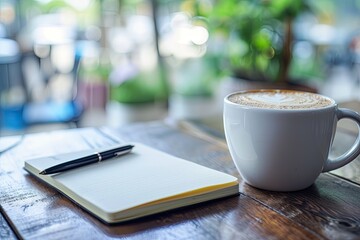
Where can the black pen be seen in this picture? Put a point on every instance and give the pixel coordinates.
(93, 158)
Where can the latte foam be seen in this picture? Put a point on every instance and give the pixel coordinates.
(280, 99)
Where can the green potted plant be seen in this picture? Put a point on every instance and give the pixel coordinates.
(93, 83)
(194, 89)
(257, 35)
(136, 95)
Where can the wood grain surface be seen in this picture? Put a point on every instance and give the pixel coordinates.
(5, 230)
(327, 210)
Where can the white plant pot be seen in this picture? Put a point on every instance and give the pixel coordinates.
(119, 114)
(183, 107)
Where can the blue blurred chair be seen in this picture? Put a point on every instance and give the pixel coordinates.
(12, 89)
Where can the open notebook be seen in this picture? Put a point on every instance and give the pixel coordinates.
(143, 182)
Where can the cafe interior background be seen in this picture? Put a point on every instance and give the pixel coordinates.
(67, 64)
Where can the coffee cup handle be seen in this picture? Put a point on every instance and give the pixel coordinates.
(354, 151)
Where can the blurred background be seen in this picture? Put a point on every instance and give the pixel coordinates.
(68, 64)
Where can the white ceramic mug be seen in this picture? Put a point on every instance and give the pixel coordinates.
(284, 149)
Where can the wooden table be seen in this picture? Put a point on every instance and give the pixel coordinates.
(329, 209)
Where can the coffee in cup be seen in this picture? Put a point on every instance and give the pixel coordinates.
(280, 99)
(280, 139)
